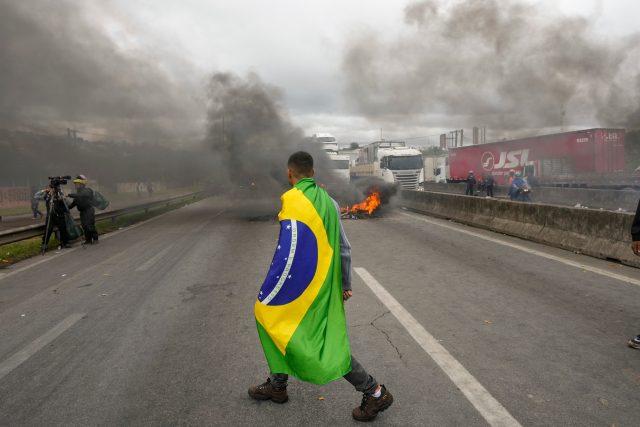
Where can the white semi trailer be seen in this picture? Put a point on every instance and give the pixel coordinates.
(391, 162)
(338, 163)
(436, 168)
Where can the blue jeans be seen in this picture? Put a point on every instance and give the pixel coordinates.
(358, 377)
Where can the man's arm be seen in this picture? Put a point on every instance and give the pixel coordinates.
(73, 202)
(345, 256)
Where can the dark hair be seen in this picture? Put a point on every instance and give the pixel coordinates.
(301, 163)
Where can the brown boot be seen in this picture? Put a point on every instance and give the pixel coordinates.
(370, 405)
(266, 391)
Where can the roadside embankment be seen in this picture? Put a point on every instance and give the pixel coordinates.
(602, 234)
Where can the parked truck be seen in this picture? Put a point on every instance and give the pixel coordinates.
(390, 162)
(436, 168)
(338, 163)
(572, 158)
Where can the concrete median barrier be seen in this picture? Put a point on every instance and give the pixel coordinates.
(602, 234)
(593, 198)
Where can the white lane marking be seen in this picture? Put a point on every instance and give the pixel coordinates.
(23, 355)
(566, 261)
(151, 262)
(104, 237)
(493, 412)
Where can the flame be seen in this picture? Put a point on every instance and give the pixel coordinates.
(368, 205)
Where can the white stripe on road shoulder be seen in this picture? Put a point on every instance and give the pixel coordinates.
(21, 356)
(493, 412)
(151, 262)
(565, 261)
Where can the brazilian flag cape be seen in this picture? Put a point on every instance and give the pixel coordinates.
(299, 311)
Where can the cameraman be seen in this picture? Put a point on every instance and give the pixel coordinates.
(83, 200)
(56, 209)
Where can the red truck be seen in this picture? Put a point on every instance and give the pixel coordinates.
(580, 157)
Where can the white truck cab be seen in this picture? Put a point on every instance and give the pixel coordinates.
(390, 161)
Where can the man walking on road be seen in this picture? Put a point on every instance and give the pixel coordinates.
(83, 199)
(300, 307)
(635, 247)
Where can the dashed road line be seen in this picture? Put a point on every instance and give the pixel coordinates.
(23, 355)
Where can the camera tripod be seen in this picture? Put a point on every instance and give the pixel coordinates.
(53, 201)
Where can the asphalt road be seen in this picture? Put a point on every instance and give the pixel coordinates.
(154, 326)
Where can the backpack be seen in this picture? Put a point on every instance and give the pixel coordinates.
(73, 230)
(99, 201)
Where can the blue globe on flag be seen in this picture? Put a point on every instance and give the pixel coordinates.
(293, 266)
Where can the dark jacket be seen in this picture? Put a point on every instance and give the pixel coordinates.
(488, 181)
(471, 179)
(59, 207)
(635, 228)
(83, 199)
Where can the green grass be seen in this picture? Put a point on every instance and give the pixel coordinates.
(15, 211)
(18, 251)
(14, 252)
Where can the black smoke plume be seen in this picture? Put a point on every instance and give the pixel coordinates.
(252, 137)
(503, 64)
(59, 68)
(250, 133)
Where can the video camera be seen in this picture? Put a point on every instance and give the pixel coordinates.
(57, 181)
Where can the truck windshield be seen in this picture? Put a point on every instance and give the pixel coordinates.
(340, 164)
(404, 162)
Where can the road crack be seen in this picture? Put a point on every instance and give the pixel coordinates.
(385, 333)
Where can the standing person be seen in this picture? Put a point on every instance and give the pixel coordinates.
(635, 247)
(35, 203)
(56, 210)
(150, 188)
(300, 307)
(488, 184)
(83, 200)
(471, 184)
(519, 189)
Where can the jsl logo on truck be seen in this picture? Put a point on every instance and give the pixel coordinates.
(488, 161)
(508, 160)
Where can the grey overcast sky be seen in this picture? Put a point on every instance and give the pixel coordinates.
(298, 46)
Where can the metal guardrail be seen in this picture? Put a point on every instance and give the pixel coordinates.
(30, 231)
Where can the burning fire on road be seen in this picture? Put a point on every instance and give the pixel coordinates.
(364, 209)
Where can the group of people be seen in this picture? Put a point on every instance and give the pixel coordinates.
(59, 211)
(485, 184)
(518, 185)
